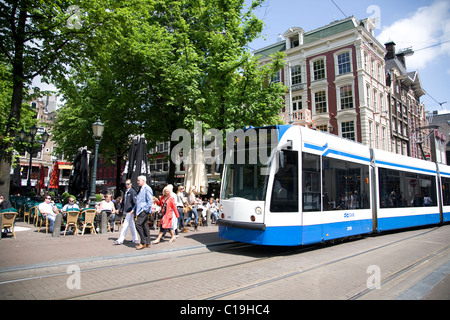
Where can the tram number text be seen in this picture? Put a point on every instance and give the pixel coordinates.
(246, 309)
(349, 215)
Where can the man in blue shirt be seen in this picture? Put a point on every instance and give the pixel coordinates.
(143, 206)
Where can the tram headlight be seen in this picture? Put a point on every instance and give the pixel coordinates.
(258, 210)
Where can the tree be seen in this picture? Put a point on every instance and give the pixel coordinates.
(167, 63)
(40, 38)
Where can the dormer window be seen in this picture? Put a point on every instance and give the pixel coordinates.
(295, 42)
(294, 37)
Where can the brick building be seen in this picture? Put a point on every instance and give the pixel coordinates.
(348, 81)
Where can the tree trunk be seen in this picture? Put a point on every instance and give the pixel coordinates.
(16, 103)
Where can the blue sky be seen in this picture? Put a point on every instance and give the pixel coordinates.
(423, 25)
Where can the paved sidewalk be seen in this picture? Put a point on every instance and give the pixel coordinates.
(32, 248)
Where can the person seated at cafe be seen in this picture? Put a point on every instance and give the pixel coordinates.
(48, 210)
(108, 204)
(4, 204)
(71, 205)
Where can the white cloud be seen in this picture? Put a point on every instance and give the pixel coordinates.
(428, 27)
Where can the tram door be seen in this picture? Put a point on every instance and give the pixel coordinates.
(311, 198)
(284, 204)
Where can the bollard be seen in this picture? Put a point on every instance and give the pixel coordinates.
(208, 218)
(103, 222)
(57, 226)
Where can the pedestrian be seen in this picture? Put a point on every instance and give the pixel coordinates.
(168, 211)
(181, 194)
(127, 205)
(143, 207)
(175, 215)
(193, 203)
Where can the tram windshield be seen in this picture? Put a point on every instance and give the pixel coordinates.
(247, 163)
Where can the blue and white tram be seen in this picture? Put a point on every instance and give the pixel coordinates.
(290, 185)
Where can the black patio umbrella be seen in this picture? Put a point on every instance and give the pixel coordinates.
(137, 163)
(128, 168)
(141, 166)
(79, 181)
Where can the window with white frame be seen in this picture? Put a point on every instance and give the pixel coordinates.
(319, 69)
(346, 96)
(320, 102)
(372, 69)
(370, 134)
(377, 133)
(348, 130)
(366, 62)
(297, 103)
(381, 102)
(379, 72)
(375, 106)
(368, 95)
(276, 77)
(296, 75)
(344, 65)
(323, 128)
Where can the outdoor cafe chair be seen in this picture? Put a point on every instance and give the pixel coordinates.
(118, 221)
(89, 217)
(33, 213)
(26, 212)
(41, 220)
(8, 219)
(72, 220)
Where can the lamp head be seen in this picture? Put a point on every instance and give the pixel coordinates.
(97, 129)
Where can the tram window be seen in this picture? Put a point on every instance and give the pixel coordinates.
(285, 185)
(311, 186)
(399, 189)
(345, 185)
(446, 191)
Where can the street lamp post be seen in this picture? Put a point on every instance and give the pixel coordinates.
(30, 138)
(97, 128)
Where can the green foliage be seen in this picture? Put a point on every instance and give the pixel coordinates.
(98, 197)
(163, 65)
(142, 66)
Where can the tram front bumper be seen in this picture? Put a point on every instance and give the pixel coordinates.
(242, 225)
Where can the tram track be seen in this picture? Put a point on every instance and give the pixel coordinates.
(321, 265)
(409, 268)
(222, 293)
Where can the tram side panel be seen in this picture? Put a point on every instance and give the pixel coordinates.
(407, 191)
(445, 192)
(336, 190)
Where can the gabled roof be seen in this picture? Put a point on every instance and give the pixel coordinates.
(408, 78)
(332, 29)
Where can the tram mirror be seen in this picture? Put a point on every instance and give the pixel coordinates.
(281, 158)
(287, 145)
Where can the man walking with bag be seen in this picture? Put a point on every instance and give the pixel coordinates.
(142, 208)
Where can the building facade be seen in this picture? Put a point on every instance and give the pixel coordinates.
(44, 161)
(409, 124)
(337, 75)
